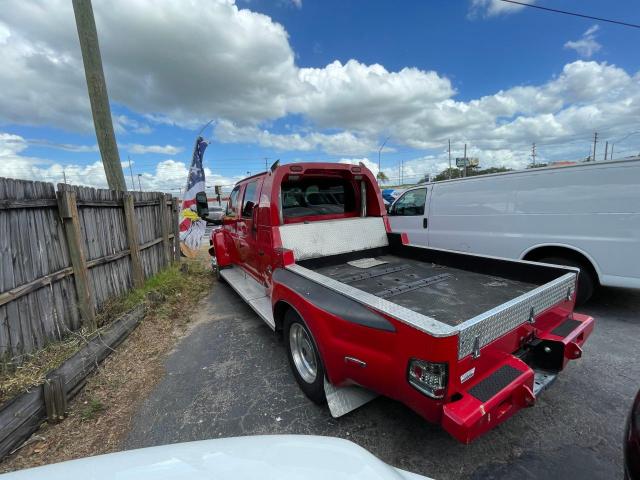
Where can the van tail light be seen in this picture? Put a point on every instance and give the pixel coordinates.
(428, 377)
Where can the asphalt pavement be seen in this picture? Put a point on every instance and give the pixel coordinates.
(229, 376)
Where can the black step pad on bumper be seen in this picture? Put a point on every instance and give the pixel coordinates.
(565, 328)
(495, 382)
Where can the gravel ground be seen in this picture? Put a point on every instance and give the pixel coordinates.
(230, 377)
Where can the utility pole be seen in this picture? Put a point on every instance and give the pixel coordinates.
(449, 159)
(611, 154)
(98, 96)
(133, 185)
(266, 166)
(533, 154)
(595, 140)
(464, 172)
(64, 175)
(606, 150)
(139, 184)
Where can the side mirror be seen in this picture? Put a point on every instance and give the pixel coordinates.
(391, 209)
(202, 206)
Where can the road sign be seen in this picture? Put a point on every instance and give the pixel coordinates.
(470, 162)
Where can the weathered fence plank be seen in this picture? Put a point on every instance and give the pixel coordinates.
(133, 237)
(69, 213)
(175, 215)
(165, 217)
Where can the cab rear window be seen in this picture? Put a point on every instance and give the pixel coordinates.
(311, 197)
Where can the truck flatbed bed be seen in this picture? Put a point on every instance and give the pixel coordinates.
(449, 295)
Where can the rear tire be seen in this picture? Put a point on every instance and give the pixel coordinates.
(304, 357)
(586, 279)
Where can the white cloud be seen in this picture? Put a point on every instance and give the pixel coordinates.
(342, 143)
(124, 124)
(186, 64)
(297, 3)
(162, 149)
(166, 176)
(366, 97)
(373, 166)
(493, 8)
(587, 45)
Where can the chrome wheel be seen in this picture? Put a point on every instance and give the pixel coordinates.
(303, 353)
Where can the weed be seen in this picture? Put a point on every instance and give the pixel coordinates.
(94, 406)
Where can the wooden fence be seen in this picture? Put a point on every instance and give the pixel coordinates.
(64, 252)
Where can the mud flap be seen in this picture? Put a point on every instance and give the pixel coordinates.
(342, 400)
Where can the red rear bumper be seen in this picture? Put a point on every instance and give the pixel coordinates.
(494, 397)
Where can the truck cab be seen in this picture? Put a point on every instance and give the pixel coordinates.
(284, 196)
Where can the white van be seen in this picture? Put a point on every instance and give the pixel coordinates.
(585, 215)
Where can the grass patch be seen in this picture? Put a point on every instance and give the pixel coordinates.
(93, 407)
(163, 293)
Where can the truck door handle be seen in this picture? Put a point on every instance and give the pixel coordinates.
(425, 222)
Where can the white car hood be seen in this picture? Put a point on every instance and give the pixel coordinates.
(277, 457)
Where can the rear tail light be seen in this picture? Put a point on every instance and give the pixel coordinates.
(428, 377)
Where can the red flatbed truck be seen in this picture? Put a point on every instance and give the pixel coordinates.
(464, 340)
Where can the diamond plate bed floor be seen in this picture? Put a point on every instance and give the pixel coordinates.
(447, 294)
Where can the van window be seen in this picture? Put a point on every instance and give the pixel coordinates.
(317, 196)
(411, 203)
(250, 199)
(232, 203)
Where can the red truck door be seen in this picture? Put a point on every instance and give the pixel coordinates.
(247, 228)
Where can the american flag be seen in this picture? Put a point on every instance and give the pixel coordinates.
(195, 180)
(192, 227)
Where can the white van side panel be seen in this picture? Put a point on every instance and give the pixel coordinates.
(594, 209)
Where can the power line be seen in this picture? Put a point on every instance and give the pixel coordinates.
(564, 12)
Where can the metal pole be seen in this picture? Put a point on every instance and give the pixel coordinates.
(266, 166)
(98, 96)
(464, 172)
(449, 159)
(606, 150)
(595, 140)
(139, 184)
(533, 154)
(611, 154)
(133, 185)
(380, 152)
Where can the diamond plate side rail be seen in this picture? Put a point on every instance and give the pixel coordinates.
(496, 322)
(415, 319)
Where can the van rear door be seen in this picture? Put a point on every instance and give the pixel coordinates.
(408, 214)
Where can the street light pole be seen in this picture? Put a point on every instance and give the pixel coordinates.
(380, 152)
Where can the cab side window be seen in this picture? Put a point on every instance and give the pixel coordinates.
(250, 199)
(232, 203)
(410, 203)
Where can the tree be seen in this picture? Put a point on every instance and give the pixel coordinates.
(382, 178)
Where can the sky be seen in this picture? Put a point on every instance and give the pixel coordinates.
(303, 80)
